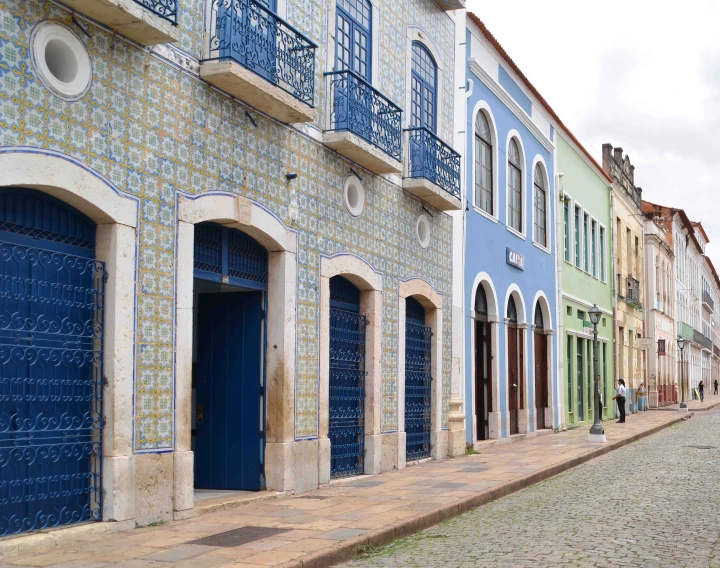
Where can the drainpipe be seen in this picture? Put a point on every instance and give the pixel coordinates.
(559, 257)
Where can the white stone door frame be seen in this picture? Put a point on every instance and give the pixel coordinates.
(116, 216)
(432, 301)
(370, 284)
(237, 212)
(494, 417)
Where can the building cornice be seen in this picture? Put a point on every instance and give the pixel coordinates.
(585, 303)
(509, 102)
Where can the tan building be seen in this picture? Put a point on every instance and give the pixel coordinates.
(628, 262)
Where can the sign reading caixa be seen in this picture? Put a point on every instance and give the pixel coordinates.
(515, 259)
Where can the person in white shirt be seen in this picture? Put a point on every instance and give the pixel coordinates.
(620, 397)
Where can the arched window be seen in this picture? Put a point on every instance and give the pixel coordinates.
(512, 310)
(483, 164)
(353, 39)
(481, 306)
(540, 206)
(424, 88)
(514, 186)
(539, 321)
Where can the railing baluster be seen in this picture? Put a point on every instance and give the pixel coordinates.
(166, 9)
(246, 32)
(359, 108)
(432, 159)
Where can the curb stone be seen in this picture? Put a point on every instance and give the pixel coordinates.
(348, 549)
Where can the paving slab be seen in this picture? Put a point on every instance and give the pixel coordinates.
(369, 510)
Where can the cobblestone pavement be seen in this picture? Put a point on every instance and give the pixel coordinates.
(654, 503)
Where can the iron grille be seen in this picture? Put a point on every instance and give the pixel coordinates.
(432, 159)
(51, 335)
(418, 379)
(357, 107)
(250, 34)
(229, 252)
(347, 393)
(166, 9)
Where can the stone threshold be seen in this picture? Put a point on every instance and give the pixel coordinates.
(226, 502)
(347, 550)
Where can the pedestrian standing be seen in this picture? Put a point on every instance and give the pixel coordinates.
(701, 388)
(716, 386)
(641, 398)
(620, 397)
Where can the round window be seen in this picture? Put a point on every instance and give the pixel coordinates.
(422, 230)
(61, 60)
(354, 195)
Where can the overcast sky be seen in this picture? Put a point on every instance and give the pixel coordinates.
(641, 74)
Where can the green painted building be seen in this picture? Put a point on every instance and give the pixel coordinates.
(585, 263)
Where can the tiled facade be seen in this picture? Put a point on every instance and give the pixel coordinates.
(155, 131)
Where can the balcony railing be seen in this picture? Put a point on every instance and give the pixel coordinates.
(166, 9)
(246, 32)
(359, 108)
(685, 330)
(701, 340)
(707, 299)
(432, 159)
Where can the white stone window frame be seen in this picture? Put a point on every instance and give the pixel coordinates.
(423, 218)
(483, 106)
(582, 243)
(602, 265)
(553, 385)
(116, 216)
(538, 159)
(523, 185)
(370, 282)
(237, 212)
(594, 221)
(432, 301)
(494, 418)
(49, 30)
(523, 414)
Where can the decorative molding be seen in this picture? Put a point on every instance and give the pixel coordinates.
(585, 303)
(179, 58)
(508, 101)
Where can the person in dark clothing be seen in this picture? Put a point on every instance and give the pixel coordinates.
(716, 386)
(620, 397)
(701, 388)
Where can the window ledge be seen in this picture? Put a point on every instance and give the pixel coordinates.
(516, 233)
(542, 248)
(485, 214)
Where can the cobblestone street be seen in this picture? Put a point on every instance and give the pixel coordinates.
(652, 503)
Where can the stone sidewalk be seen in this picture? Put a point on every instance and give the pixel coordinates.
(710, 402)
(327, 526)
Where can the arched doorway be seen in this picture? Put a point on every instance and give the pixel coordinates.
(418, 380)
(346, 428)
(51, 358)
(516, 364)
(228, 379)
(541, 368)
(483, 365)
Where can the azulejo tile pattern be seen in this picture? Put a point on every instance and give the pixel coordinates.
(153, 130)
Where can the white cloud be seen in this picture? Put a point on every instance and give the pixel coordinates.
(642, 75)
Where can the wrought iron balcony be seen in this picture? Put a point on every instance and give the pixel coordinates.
(261, 59)
(149, 22)
(685, 330)
(365, 126)
(708, 301)
(701, 340)
(433, 170)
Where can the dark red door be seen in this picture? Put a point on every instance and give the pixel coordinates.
(513, 375)
(541, 382)
(483, 382)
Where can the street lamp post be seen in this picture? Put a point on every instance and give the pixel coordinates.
(597, 432)
(681, 346)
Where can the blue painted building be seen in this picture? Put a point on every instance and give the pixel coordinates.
(510, 283)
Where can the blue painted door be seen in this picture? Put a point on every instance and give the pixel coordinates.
(229, 441)
(418, 379)
(347, 380)
(51, 331)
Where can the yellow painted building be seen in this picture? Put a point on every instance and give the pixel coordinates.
(629, 273)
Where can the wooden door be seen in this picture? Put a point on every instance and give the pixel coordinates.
(541, 382)
(514, 383)
(483, 378)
